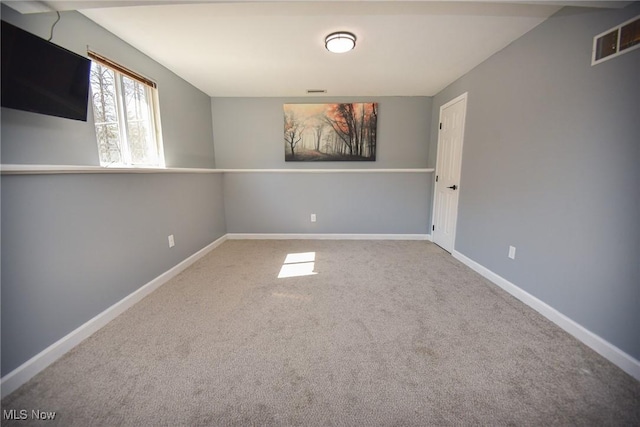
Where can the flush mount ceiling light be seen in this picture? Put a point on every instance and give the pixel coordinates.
(340, 42)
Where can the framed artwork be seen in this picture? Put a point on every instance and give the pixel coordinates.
(330, 132)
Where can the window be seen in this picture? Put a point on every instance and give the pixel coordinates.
(126, 114)
(616, 41)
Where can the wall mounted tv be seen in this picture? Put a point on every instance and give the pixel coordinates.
(41, 77)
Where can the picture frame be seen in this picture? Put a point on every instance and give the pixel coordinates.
(330, 132)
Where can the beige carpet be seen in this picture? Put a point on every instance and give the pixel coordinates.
(385, 333)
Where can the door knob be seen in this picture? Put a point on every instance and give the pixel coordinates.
(453, 187)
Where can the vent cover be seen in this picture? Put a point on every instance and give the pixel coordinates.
(316, 91)
(616, 41)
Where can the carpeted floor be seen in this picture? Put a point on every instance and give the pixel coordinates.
(388, 333)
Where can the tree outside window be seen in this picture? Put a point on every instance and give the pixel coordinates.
(126, 119)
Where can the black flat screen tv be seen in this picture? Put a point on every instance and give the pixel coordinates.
(41, 77)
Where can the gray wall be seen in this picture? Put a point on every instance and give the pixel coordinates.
(551, 166)
(32, 138)
(73, 245)
(373, 203)
(248, 134)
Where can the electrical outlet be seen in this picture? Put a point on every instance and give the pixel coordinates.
(313, 217)
(172, 242)
(512, 252)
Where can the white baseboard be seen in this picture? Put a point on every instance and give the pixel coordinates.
(607, 350)
(37, 363)
(325, 236)
(46, 357)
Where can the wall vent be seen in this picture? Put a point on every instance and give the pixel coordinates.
(316, 91)
(616, 41)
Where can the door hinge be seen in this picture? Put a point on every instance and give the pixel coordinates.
(433, 228)
(440, 125)
(436, 178)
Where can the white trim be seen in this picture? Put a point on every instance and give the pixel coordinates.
(607, 350)
(23, 373)
(327, 236)
(46, 357)
(10, 169)
(157, 125)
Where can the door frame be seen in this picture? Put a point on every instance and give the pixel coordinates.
(458, 98)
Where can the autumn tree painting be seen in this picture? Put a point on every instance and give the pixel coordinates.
(330, 132)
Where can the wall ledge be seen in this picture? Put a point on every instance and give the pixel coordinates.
(9, 169)
(368, 170)
(12, 169)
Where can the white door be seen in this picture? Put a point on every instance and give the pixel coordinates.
(447, 186)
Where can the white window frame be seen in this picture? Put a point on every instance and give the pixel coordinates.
(618, 30)
(151, 93)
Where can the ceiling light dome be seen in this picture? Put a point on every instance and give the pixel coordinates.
(340, 42)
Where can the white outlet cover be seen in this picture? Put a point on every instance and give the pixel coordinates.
(512, 252)
(313, 217)
(172, 242)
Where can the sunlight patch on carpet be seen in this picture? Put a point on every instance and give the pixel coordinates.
(299, 264)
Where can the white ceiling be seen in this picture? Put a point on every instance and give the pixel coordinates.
(263, 48)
